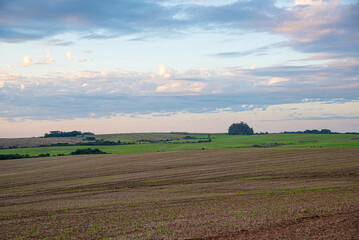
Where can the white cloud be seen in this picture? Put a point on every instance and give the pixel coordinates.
(161, 69)
(316, 2)
(182, 87)
(254, 66)
(217, 91)
(2, 84)
(169, 87)
(308, 2)
(22, 86)
(48, 58)
(26, 61)
(69, 56)
(9, 66)
(84, 59)
(84, 85)
(197, 87)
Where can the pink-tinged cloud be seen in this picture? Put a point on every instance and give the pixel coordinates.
(275, 80)
(311, 22)
(181, 87)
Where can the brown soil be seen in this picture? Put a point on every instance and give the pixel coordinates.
(212, 194)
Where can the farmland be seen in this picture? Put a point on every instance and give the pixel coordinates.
(146, 142)
(249, 193)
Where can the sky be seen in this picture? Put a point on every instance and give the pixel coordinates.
(119, 66)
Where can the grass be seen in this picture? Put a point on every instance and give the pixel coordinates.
(303, 193)
(219, 141)
(124, 137)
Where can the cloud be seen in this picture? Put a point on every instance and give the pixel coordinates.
(321, 27)
(311, 26)
(56, 41)
(257, 51)
(26, 61)
(210, 88)
(216, 91)
(84, 59)
(169, 87)
(2, 84)
(275, 80)
(69, 56)
(181, 87)
(9, 66)
(254, 66)
(48, 58)
(23, 20)
(22, 86)
(310, 2)
(161, 69)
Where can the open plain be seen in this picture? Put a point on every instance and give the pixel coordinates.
(308, 193)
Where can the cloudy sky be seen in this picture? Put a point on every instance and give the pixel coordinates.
(178, 65)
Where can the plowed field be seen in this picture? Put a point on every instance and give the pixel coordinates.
(208, 194)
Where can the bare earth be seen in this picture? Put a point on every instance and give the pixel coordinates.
(210, 194)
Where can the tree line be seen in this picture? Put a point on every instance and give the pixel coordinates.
(314, 131)
(76, 152)
(243, 128)
(66, 134)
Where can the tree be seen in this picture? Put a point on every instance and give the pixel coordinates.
(241, 128)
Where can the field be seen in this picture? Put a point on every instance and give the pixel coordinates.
(124, 137)
(219, 141)
(256, 193)
(34, 142)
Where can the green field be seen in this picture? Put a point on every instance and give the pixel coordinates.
(219, 141)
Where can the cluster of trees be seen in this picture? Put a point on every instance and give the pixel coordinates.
(87, 151)
(241, 128)
(66, 134)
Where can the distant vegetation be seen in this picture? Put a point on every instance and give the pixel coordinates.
(87, 151)
(77, 152)
(19, 156)
(315, 131)
(66, 134)
(241, 128)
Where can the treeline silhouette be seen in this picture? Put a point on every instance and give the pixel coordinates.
(315, 131)
(19, 156)
(76, 152)
(66, 134)
(87, 151)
